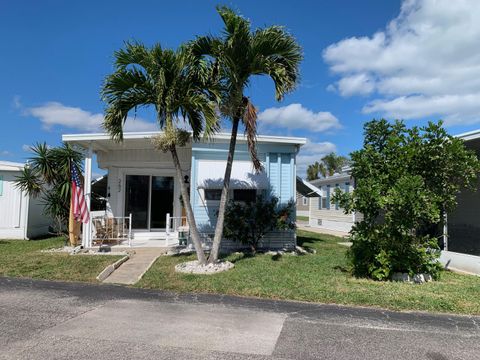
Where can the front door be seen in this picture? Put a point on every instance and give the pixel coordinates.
(148, 198)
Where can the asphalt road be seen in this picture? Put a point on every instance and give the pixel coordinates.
(53, 320)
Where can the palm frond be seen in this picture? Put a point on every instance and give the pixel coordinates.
(250, 122)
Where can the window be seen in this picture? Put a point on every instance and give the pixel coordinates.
(304, 201)
(213, 194)
(245, 195)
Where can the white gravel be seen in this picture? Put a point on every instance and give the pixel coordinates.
(192, 267)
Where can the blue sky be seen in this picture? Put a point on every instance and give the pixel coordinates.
(412, 59)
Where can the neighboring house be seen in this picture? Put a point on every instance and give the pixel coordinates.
(461, 248)
(142, 182)
(323, 213)
(21, 216)
(302, 204)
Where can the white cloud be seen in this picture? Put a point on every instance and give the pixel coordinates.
(56, 114)
(5, 153)
(295, 116)
(311, 152)
(425, 63)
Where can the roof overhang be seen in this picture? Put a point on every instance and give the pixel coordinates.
(307, 189)
(141, 140)
(470, 135)
(11, 166)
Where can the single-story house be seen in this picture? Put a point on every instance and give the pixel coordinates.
(142, 183)
(325, 214)
(461, 247)
(21, 216)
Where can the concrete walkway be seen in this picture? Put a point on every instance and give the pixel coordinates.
(304, 226)
(133, 269)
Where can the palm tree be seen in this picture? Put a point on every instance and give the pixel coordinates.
(48, 175)
(238, 55)
(178, 88)
(334, 163)
(314, 169)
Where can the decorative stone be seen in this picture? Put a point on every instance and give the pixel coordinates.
(192, 267)
(418, 279)
(427, 277)
(300, 250)
(403, 277)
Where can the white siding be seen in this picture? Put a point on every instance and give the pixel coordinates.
(12, 208)
(332, 218)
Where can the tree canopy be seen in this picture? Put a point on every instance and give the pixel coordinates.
(406, 179)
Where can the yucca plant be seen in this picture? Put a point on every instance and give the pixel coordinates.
(47, 175)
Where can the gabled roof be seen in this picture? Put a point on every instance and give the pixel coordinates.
(11, 166)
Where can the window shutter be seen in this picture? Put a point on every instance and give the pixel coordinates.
(328, 197)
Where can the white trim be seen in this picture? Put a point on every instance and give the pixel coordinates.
(149, 134)
(469, 135)
(11, 166)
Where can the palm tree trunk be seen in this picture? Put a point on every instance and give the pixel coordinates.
(188, 209)
(223, 200)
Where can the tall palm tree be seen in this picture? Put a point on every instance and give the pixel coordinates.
(47, 175)
(178, 88)
(238, 55)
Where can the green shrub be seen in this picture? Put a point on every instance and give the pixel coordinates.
(249, 222)
(406, 180)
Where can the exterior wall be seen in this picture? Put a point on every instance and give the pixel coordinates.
(120, 163)
(279, 171)
(464, 224)
(332, 218)
(13, 208)
(303, 205)
(37, 222)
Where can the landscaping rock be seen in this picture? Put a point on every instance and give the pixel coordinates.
(403, 277)
(192, 267)
(427, 277)
(418, 279)
(300, 250)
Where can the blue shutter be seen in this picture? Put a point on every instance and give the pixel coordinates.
(328, 197)
(347, 187)
(320, 199)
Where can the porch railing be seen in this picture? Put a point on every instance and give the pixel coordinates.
(107, 229)
(175, 225)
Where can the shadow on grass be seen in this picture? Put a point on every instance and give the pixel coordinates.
(3, 242)
(308, 242)
(342, 269)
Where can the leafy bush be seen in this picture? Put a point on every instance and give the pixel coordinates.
(250, 222)
(406, 180)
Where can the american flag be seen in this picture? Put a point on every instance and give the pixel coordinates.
(80, 210)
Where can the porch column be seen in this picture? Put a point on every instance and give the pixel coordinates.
(87, 189)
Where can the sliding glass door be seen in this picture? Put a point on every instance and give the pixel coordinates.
(149, 198)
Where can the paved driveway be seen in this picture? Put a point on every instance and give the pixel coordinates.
(48, 320)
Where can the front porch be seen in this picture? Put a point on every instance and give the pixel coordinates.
(142, 195)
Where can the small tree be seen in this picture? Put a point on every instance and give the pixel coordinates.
(406, 180)
(250, 222)
(47, 175)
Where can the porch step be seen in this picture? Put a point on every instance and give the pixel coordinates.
(153, 235)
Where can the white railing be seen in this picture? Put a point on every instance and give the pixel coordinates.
(108, 229)
(173, 224)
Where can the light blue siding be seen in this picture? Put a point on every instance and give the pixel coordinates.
(278, 161)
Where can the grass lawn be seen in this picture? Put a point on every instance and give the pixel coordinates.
(302, 218)
(321, 278)
(23, 259)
